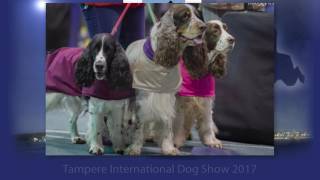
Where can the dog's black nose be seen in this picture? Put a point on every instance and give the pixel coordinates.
(231, 40)
(99, 67)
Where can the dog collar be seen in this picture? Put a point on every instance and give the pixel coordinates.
(147, 49)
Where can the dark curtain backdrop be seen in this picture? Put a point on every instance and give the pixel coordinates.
(244, 108)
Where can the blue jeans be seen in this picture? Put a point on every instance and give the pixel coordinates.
(102, 20)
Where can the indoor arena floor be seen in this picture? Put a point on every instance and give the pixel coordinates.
(58, 142)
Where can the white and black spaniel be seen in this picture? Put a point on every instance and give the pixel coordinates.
(195, 98)
(156, 78)
(101, 72)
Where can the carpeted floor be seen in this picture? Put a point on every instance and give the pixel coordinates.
(58, 142)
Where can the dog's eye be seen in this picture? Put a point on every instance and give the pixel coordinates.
(186, 15)
(215, 29)
(225, 27)
(105, 48)
(98, 46)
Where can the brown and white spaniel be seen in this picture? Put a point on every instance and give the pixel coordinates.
(195, 99)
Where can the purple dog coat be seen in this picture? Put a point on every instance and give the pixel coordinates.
(60, 71)
(60, 77)
(202, 87)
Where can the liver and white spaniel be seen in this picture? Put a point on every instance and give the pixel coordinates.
(195, 98)
(102, 72)
(154, 64)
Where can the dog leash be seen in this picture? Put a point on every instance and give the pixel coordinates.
(124, 12)
(147, 49)
(151, 13)
(119, 20)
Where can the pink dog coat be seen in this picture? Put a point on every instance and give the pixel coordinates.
(203, 87)
(60, 77)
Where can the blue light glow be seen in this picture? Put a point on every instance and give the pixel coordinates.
(40, 5)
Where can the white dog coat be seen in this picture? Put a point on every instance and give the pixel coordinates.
(149, 76)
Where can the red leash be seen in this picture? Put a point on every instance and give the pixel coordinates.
(119, 20)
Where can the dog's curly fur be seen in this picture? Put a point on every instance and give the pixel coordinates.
(119, 75)
(168, 44)
(84, 72)
(196, 62)
(218, 68)
(196, 58)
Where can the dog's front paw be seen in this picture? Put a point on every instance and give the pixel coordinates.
(216, 143)
(96, 150)
(178, 142)
(78, 140)
(133, 151)
(171, 151)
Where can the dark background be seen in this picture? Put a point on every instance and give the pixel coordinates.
(22, 96)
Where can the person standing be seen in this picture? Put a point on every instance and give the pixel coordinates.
(101, 17)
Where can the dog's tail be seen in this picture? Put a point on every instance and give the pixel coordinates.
(53, 100)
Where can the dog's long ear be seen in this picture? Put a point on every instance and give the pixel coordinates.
(218, 68)
(196, 60)
(84, 73)
(168, 46)
(119, 74)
